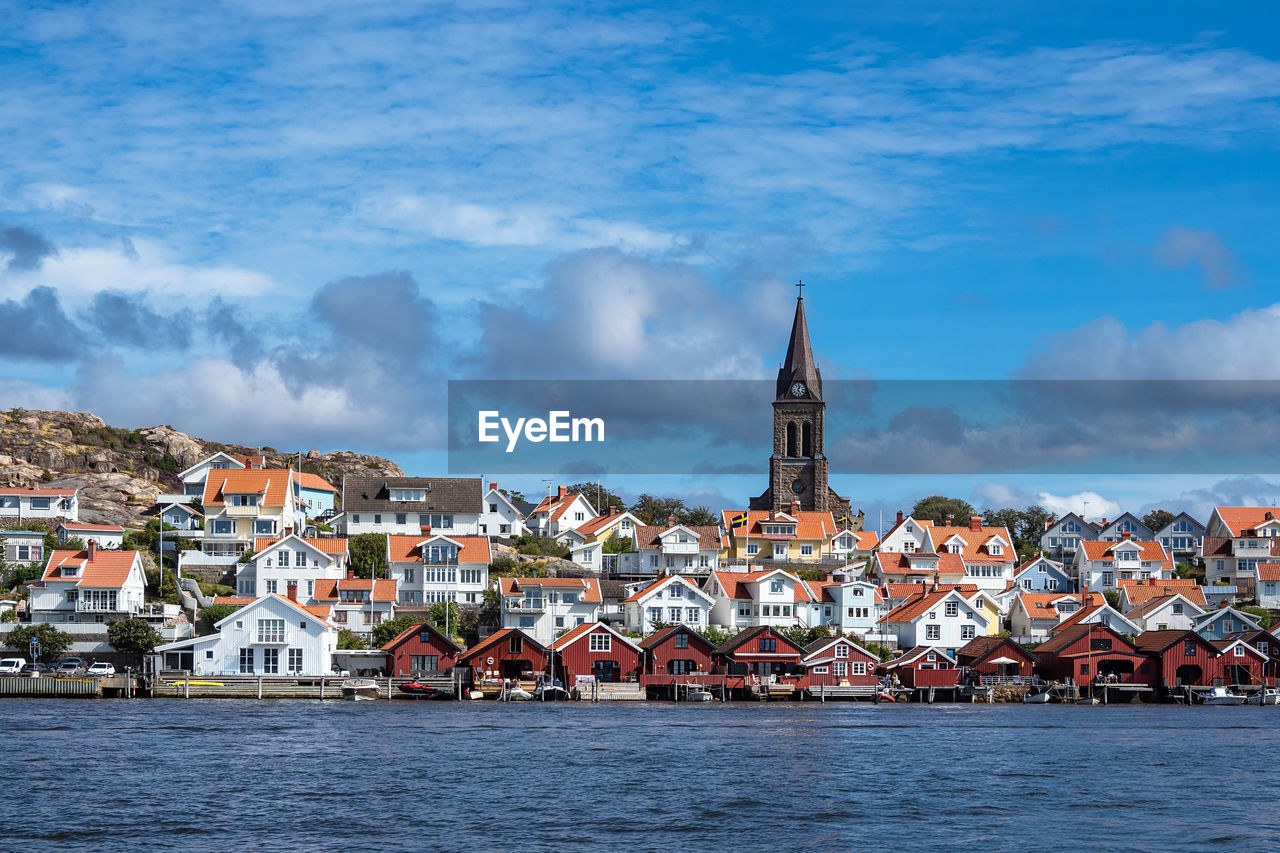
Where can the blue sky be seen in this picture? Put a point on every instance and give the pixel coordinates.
(290, 223)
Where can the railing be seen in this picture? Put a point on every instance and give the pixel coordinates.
(241, 511)
(991, 680)
(102, 607)
(271, 638)
(524, 604)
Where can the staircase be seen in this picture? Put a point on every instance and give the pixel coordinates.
(620, 691)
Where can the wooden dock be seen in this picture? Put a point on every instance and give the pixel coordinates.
(269, 687)
(78, 687)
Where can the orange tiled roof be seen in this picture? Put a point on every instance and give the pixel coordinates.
(314, 482)
(271, 483)
(590, 587)
(81, 525)
(384, 589)
(976, 543)
(404, 549)
(1267, 572)
(555, 505)
(1139, 592)
(107, 569)
(38, 493)
(236, 600)
(320, 611)
(1147, 550)
(336, 545)
(641, 593)
(735, 584)
(1241, 518)
(810, 524)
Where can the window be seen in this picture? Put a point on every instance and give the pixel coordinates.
(806, 550)
(682, 640)
(559, 621)
(355, 519)
(842, 651)
(953, 608)
(1189, 648)
(768, 644)
(270, 630)
(932, 632)
(673, 614)
(753, 549)
(1239, 651)
(246, 661)
(1177, 607)
(208, 654)
(1228, 625)
(401, 518)
(516, 645)
(340, 616)
(967, 632)
(655, 614)
(271, 586)
(578, 516)
(821, 670)
(424, 663)
(858, 667)
(600, 643)
(569, 597)
(675, 591)
(775, 586)
(295, 661)
(840, 668)
(526, 621)
(270, 661)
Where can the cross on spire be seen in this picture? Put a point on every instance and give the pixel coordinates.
(800, 288)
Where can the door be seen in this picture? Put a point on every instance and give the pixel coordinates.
(605, 670)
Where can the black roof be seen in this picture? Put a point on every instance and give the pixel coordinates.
(443, 494)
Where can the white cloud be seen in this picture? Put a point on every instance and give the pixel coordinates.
(1181, 247)
(998, 495)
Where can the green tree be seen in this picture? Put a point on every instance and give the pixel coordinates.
(388, 630)
(940, 509)
(1113, 598)
(52, 641)
(444, 614)
(655, 510)
(715, 636)
(514, 496)
(133, 637)
(1157, 519)
(349, 640)
(1261, 615)
(215, 613)
(616, 544)
(798, 634)
(698, 516)
(598, 495)
(368, 554)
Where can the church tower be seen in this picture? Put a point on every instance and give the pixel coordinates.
(798, 466)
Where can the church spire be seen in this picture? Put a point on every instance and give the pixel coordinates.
(799, 365)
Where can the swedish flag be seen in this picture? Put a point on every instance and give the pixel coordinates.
(844, 519)
(738, 521)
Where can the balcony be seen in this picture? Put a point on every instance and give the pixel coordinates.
(83, 606)
(241, 511)
(270, 638)
(525, 605)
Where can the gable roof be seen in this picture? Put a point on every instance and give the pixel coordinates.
(1211, 616)
(976, 547)
(557, 505)
(577, 632)
(915, 653)
(1156, 642)
(747, 634)
(1269, 571)
(649, 536)
(662, 634)
(106, 569)
(87, 527)
(918, 605)
(316, 612)
(499, 636)
(383, 589)
(810, 524)
(813, 652)
(661, 582)
(442, 494)
(592, 526)
(1241, 518)
(314, 482)
(979, 649)
(736, 585)
(418, 628)
(1095, 549)
(330, 545)
(1067, 636)
(1138, 591)
(1151, 605)
(407, 549)
(589, 587)
(272, 484)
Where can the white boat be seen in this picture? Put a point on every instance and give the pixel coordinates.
(1038, 696)
(474, 693)
(550, 693)
(1222, 696)
(513, 692)
(360, 689)
(1087, 700)
(1266, 696)
(699, 695)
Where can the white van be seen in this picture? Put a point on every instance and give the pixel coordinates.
(12, 666)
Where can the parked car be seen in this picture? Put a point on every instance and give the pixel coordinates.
(102, 669)
(71, 666)
(12, 666)
(35, 670)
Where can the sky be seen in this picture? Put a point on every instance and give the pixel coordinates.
(291, 223)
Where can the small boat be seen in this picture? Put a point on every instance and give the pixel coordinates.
(1038, 696)
(1222, 696)
(553, 692)
(513, 692)
(886, 696)
(197, 683)
(360, 689)
(699, 694)
(1267, 696)
(1087, 700)
(420, 690)
(474, 693)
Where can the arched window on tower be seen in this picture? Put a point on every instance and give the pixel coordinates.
(808, 439)
(791, 438)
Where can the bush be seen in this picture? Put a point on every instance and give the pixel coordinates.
(9, 616)
(882, 652)
(215, 613)
(349, 640)
(133, 637)
(539, 546)
(368, 554)
(504, 567)
(1263, 617)
(715, 636)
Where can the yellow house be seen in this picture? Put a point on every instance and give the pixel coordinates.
(799, 536)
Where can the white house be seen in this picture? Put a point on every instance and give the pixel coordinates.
(1182, 536)
(277, 563)
(193, 479)
(678, 549)
(1236, 540)
(357, 604)
(40, 503)
(499, 516)
(846, 605)
(587, 542)
(408, 506)
(93, 585)
(983, 555)
(22, 546)
(110, 536)
(1040, 574)
(269, 636)
(242, 505)
(557, 514)
(543, 607)
(1061, 538)
(944, 620)
(768, 597)
(1101, 565)
(850, 545)
(1269, 585)
(431, 568)
(671, 600)
(1034, 615)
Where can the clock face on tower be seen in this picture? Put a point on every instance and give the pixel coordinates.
(797, 389)
(797, 486)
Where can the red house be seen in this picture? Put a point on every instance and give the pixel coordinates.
(1265, 642)
(760, 651)
(676, 650)
(509, 653)
(839, 661)
(924, 666)
(1179, 658)
(596, 649)
(1082, 652)
(996, 658)
(419, 650)
(1239, 663)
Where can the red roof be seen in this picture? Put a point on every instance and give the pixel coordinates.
(554, 505)
(97, 528)
(335, 545)
(106, 569)
(404, 549)
(417, 628)
(576, 633)
(1241, 518)
(1268, 572)
(590, 587)
(384, 589)
(977, 543)
(38, 493)
(1147, 550)
(809, 524)
(272, 484)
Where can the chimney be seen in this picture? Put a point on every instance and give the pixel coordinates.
(614, 509)
(1104, 521)
(795, 509)
(899, 516)
(975, 522)
(351, 574)
(933, 584)
(293, 591)
(493, 486)
(1048, 523)
(93, 549)
(671, 521)
(1126, 535)
(563, 491)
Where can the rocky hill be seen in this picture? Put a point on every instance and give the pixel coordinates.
(119, 472)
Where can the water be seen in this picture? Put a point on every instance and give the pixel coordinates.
(247, 775)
